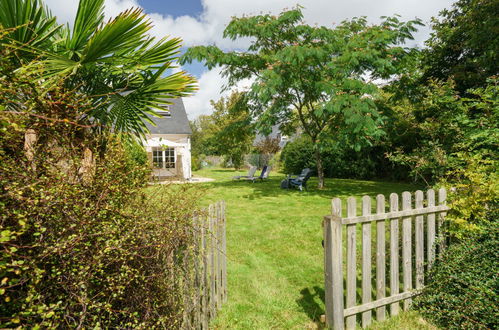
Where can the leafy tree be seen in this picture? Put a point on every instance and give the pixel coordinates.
(117, 64)
(315, 75)
(233, 131)
(203, 128)
(464, 44)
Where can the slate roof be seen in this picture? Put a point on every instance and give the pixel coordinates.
(176, 123)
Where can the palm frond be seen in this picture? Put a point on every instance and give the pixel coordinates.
(123, 34)
(30, 22)
(89, 16)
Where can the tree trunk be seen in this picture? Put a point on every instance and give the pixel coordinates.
(320, 169)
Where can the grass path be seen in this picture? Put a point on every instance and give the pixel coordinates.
(275, 256)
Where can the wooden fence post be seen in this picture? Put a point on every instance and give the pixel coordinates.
(224, 249)
(394, 253)
(366, 261)
(205, 279)
(407, 247)
(333, 249)
(351, 262)
(380, 257)
(213, 262)
(218, 238)
(442, 200)
(430, 225)
(419, 235)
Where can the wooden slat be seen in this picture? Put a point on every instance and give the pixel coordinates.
(431, 234)
(224, 249)
(442, 200)
(379, 303)
(393, 215)
(407, 247)
(205, 281)
(380, 258)
(333, 248)
(351, 279)
(366, 261)
(213, 296)
(419, 236)
(219, 255)
(196, 289)
(394, 254)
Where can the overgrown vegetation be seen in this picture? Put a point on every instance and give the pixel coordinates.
(464, 286)
(81, 244)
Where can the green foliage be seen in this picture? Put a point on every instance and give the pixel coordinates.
(313, 75)
(81, 245)
(339, 161)
(297, 155)
(464, 287)
(475, 197)
(228, 131)
(136, 152)
(464, 43)
(430, 133)
(117, 64)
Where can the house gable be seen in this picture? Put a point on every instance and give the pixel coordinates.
(175, 122)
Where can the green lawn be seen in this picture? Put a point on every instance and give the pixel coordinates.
(275, 257)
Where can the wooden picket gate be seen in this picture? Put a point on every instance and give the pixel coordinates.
(343, 307)
(206, 289)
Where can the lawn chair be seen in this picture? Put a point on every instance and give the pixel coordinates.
(251, 173)
(300, 181)
(264, 175)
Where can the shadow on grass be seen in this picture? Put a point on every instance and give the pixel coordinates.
(334, 187)
(308, 302)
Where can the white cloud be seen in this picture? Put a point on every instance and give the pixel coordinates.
(210, 88)
(208, 27)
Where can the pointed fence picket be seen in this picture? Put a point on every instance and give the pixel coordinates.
(406, 267)
(205, 289)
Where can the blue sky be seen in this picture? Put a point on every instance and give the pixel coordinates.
(173, 7)
(201, 22)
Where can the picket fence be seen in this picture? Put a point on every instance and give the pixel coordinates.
(205, 290)
(342, 307)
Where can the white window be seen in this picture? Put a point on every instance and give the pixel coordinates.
(163, 157)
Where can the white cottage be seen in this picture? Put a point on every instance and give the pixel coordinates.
(168, 145)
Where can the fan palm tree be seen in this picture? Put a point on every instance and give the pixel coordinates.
(116, 63)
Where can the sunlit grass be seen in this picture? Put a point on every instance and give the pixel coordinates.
(275, 256)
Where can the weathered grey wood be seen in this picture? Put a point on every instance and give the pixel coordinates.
(394, 253)
(380, 258)
(442, 200)
(419, 236)
(219, 256)
(351, 279)
(407, 247)
(366, 261)
(224, 248)
(430, 225)
(205, 281)
(333, 247)
(195, 278)
(379, 303)
(213, 263)
(392, 215)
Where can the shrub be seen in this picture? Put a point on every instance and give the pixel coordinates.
(338, 161)
(297, 155)
(82, 245)
(464, 284)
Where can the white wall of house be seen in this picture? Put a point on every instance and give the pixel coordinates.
(182, 167)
